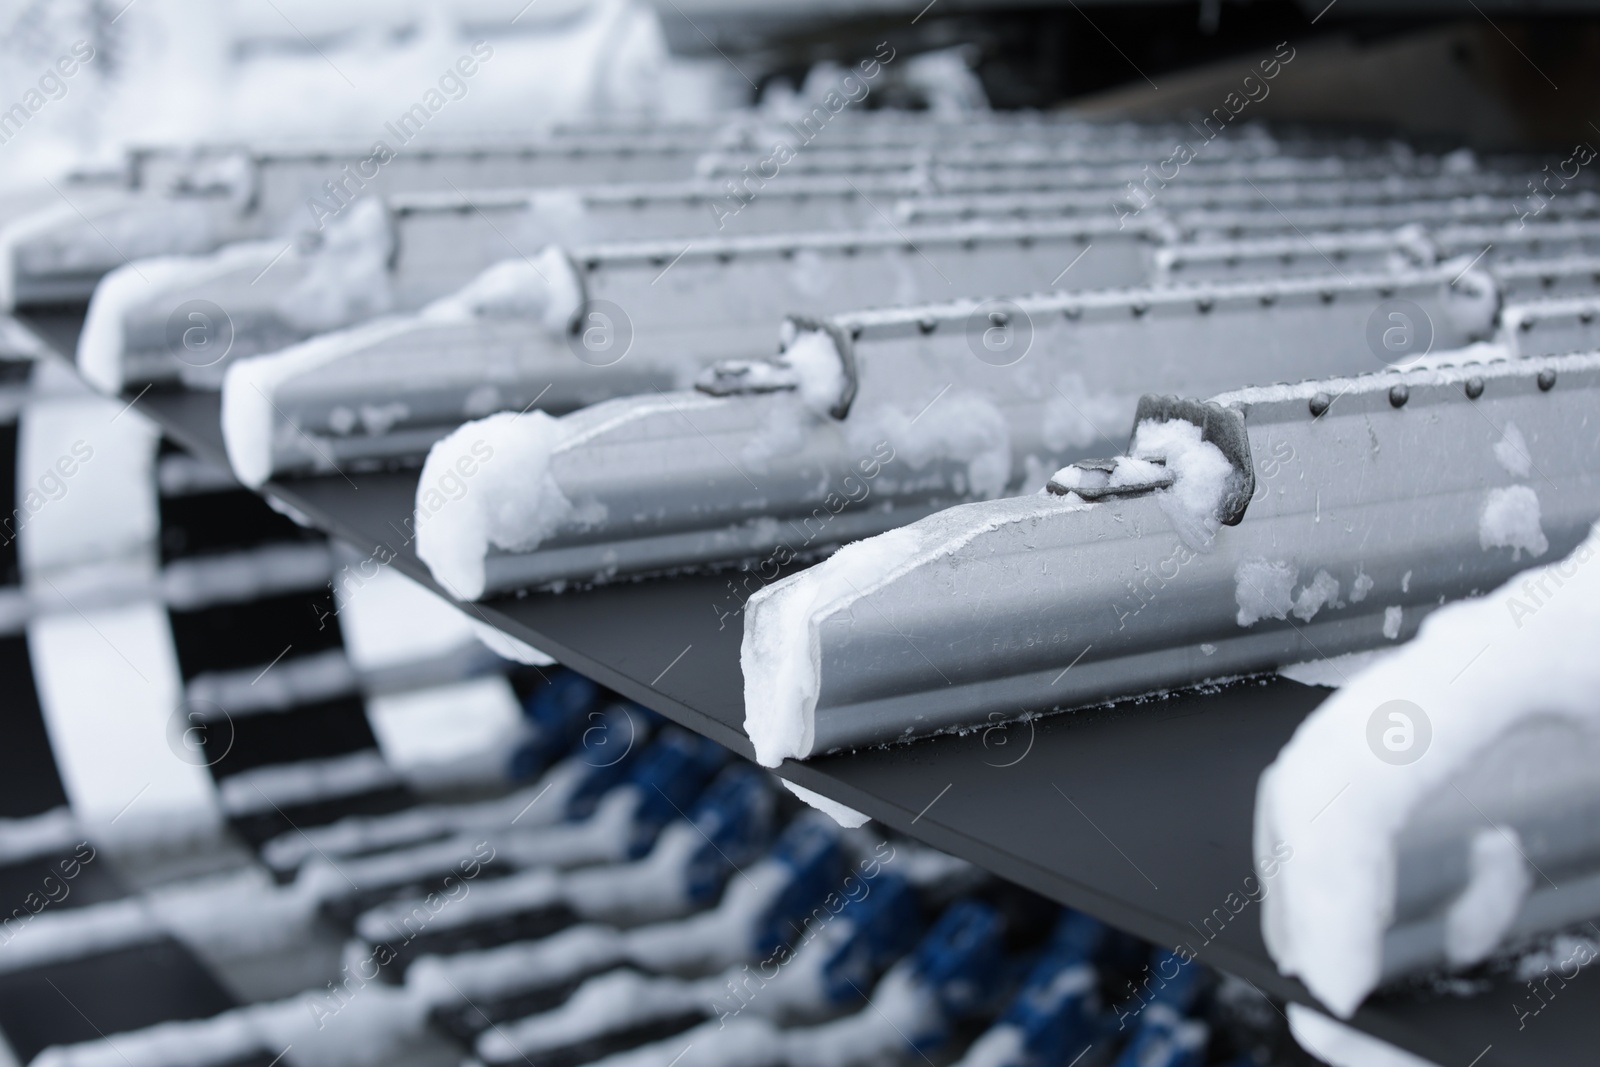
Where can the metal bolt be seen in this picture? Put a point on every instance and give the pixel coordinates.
(1474, 387)
(1320, 403)
(1398, 396)
(1546, 380)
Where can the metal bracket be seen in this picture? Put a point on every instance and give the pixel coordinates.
(1097, 484)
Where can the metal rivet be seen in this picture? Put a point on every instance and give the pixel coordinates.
(1072, 314)
(1268, 299)
(1138, 309)
(1474, 387)
(1204, 305)
(855, 333)
(1398, 396)
(928, 325)
(1546, 380)
(1319, 404)
(1327, 296)
(1525, 325)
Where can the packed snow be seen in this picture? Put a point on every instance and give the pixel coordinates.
(545, 289)
(819, 367)
(1264, 589)
(1510, 519)
(509, 496)
(1203, 477)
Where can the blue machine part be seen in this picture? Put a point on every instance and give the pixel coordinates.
(1181, 980)
(1057, 1011)
(963, 956)
(554, 711)
(670, 774)
(1166, 1039)
(611, 740)
(884, 925)
(734, 816)
(810, 851)
(1165, 1036)
(1078, 937)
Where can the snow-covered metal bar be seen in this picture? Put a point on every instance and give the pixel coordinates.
(1472, 834)
(1363, 251)
(1273, 525)
(193, 203)
(573, 328)
(1394, 189)
(874, 419)
(1265, 219)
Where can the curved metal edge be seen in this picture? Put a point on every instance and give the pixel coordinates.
(581, 283)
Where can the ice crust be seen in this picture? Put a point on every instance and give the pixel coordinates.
(1336, 897)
